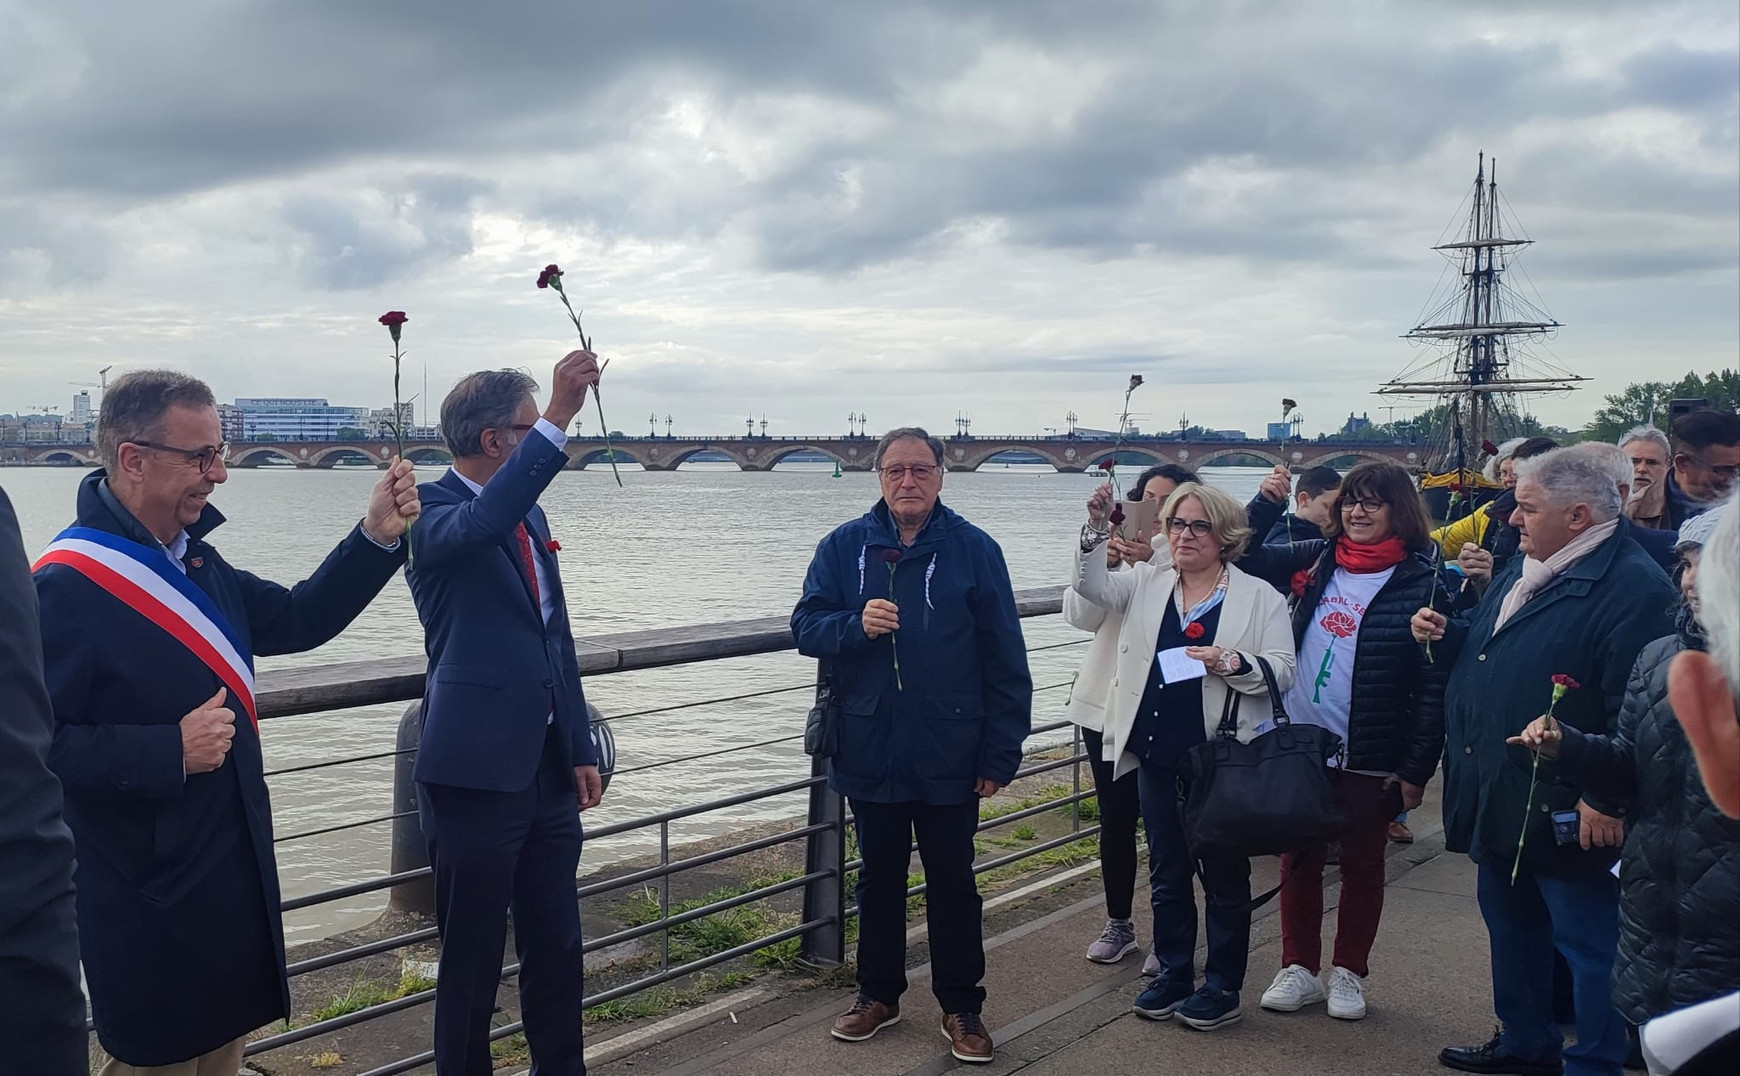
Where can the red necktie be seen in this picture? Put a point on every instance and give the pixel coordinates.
(531, 566)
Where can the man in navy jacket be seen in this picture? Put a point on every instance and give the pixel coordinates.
(505, 761)
(42, 1019)
(155, 740)
(911, 610)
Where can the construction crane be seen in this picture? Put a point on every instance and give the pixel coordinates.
(101, 384)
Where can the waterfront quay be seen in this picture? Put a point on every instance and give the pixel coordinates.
(731, 955)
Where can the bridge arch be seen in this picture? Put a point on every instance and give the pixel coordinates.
(1201, 455)
(1410, 459)
(428, 454)
(589, 456)
(772, 458)
(66, 457)
(256, 455)
(377, 455)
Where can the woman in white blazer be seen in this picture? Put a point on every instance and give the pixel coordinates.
(1119, 807)
(1190, 635)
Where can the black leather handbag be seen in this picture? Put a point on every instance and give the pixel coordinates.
(822, 725)
(1266, 797)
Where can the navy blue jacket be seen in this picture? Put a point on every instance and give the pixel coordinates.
(963, 702)
(179, 923)
(42, 1010)
(497, 671)
(1589, 623)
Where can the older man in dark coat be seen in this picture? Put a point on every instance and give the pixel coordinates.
(149, 637)
(911, 610)
(1581, 602)
(42, 1012)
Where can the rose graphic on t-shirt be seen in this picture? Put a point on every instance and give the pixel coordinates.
(1339, 625)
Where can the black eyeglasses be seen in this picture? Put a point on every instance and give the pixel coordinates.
(1370, 504)
(203, 458)
(920, 472)
(1726, 470)
(1202, 528)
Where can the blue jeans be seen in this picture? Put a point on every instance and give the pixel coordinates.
(1171, 876)
(1525, 923)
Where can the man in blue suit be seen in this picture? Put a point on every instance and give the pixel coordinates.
(506, 759)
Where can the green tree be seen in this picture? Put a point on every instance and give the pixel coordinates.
(1647, 402)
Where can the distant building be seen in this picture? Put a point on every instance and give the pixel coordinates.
(1228, 435)
(81, 409)
(1280, 431)
(380, 421)
(1356, 425)
(230, 421)
(281, 418)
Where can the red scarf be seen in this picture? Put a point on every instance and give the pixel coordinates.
(1366, 559)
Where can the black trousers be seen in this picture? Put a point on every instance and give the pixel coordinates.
(490, 851)
(1120, 807)
(952, 905)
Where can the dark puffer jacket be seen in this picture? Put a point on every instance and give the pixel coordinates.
(1396, 718)
(1679, 873)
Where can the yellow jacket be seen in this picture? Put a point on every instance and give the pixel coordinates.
(1470, 528)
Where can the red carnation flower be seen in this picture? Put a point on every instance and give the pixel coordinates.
(1107, 464)
(1489, 448)
(1565, 682)
(1117, 515)
(1340, 625)
(1301, 580)
(392, 319)
(1193, 630)
(550, 275)
(891, 556)
(553, 546)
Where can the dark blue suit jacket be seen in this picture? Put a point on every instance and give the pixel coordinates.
(42, 1017)
(497, 671)
(178, 907)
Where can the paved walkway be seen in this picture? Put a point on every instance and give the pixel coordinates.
(1054, 1014)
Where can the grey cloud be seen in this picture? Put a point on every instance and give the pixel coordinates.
(346, 243)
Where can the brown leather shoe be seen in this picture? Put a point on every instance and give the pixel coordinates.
(1400, 833)
(865, 1018)
(968, 1039)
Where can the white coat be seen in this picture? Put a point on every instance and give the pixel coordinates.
(1253, 621)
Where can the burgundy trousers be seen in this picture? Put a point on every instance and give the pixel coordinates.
(1362, 882)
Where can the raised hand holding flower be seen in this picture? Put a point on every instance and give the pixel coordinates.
(395, 320)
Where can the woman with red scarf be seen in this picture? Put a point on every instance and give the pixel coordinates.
(1362, 675)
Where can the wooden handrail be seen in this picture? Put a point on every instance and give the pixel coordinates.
(340, 685)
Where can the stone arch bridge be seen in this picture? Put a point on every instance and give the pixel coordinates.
(1066, 454)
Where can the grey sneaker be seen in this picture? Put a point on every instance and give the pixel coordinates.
(1151, 966)
(1117, 942)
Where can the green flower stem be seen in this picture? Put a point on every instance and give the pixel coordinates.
(399, 434)
(597, 397)
(894, 636)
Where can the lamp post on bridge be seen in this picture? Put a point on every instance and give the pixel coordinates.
(668, 421)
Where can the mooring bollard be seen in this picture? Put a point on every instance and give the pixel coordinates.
(410, 852)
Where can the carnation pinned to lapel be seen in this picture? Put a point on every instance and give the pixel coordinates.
(553, 546)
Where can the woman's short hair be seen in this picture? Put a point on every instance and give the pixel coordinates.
(1231, 529)
(1178, 473)
(1392, 484)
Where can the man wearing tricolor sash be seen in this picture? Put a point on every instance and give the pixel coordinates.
(149, 639)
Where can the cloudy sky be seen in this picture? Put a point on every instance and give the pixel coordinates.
(800, 209)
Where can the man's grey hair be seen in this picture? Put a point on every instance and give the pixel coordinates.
(486, 400)
(1570, 477)
(133, 409)
(908, 433)
(1650, 434)
(1610, 456)
(1719, 581)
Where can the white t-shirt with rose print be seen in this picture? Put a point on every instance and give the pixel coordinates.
(1322, 691)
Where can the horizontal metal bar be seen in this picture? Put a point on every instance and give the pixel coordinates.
(340, 762)
(1029, 812)
(357, 952)
(708, 754)
(342, 826)
(355, 889)
(702, 808)
(665, 870)
(704, 911)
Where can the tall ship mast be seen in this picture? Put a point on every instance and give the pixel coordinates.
(1482, 342)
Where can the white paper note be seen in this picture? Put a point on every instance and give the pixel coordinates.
(1176, 667)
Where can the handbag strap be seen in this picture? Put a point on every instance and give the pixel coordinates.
(1278, 711)
(1229, 714)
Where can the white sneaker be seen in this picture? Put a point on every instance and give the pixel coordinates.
(1293, 989)
(1346, 995)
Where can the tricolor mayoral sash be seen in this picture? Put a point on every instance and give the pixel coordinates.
(144, 579)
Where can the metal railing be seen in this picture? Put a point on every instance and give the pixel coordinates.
(823, 827)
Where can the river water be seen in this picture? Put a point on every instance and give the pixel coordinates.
(704, 543)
